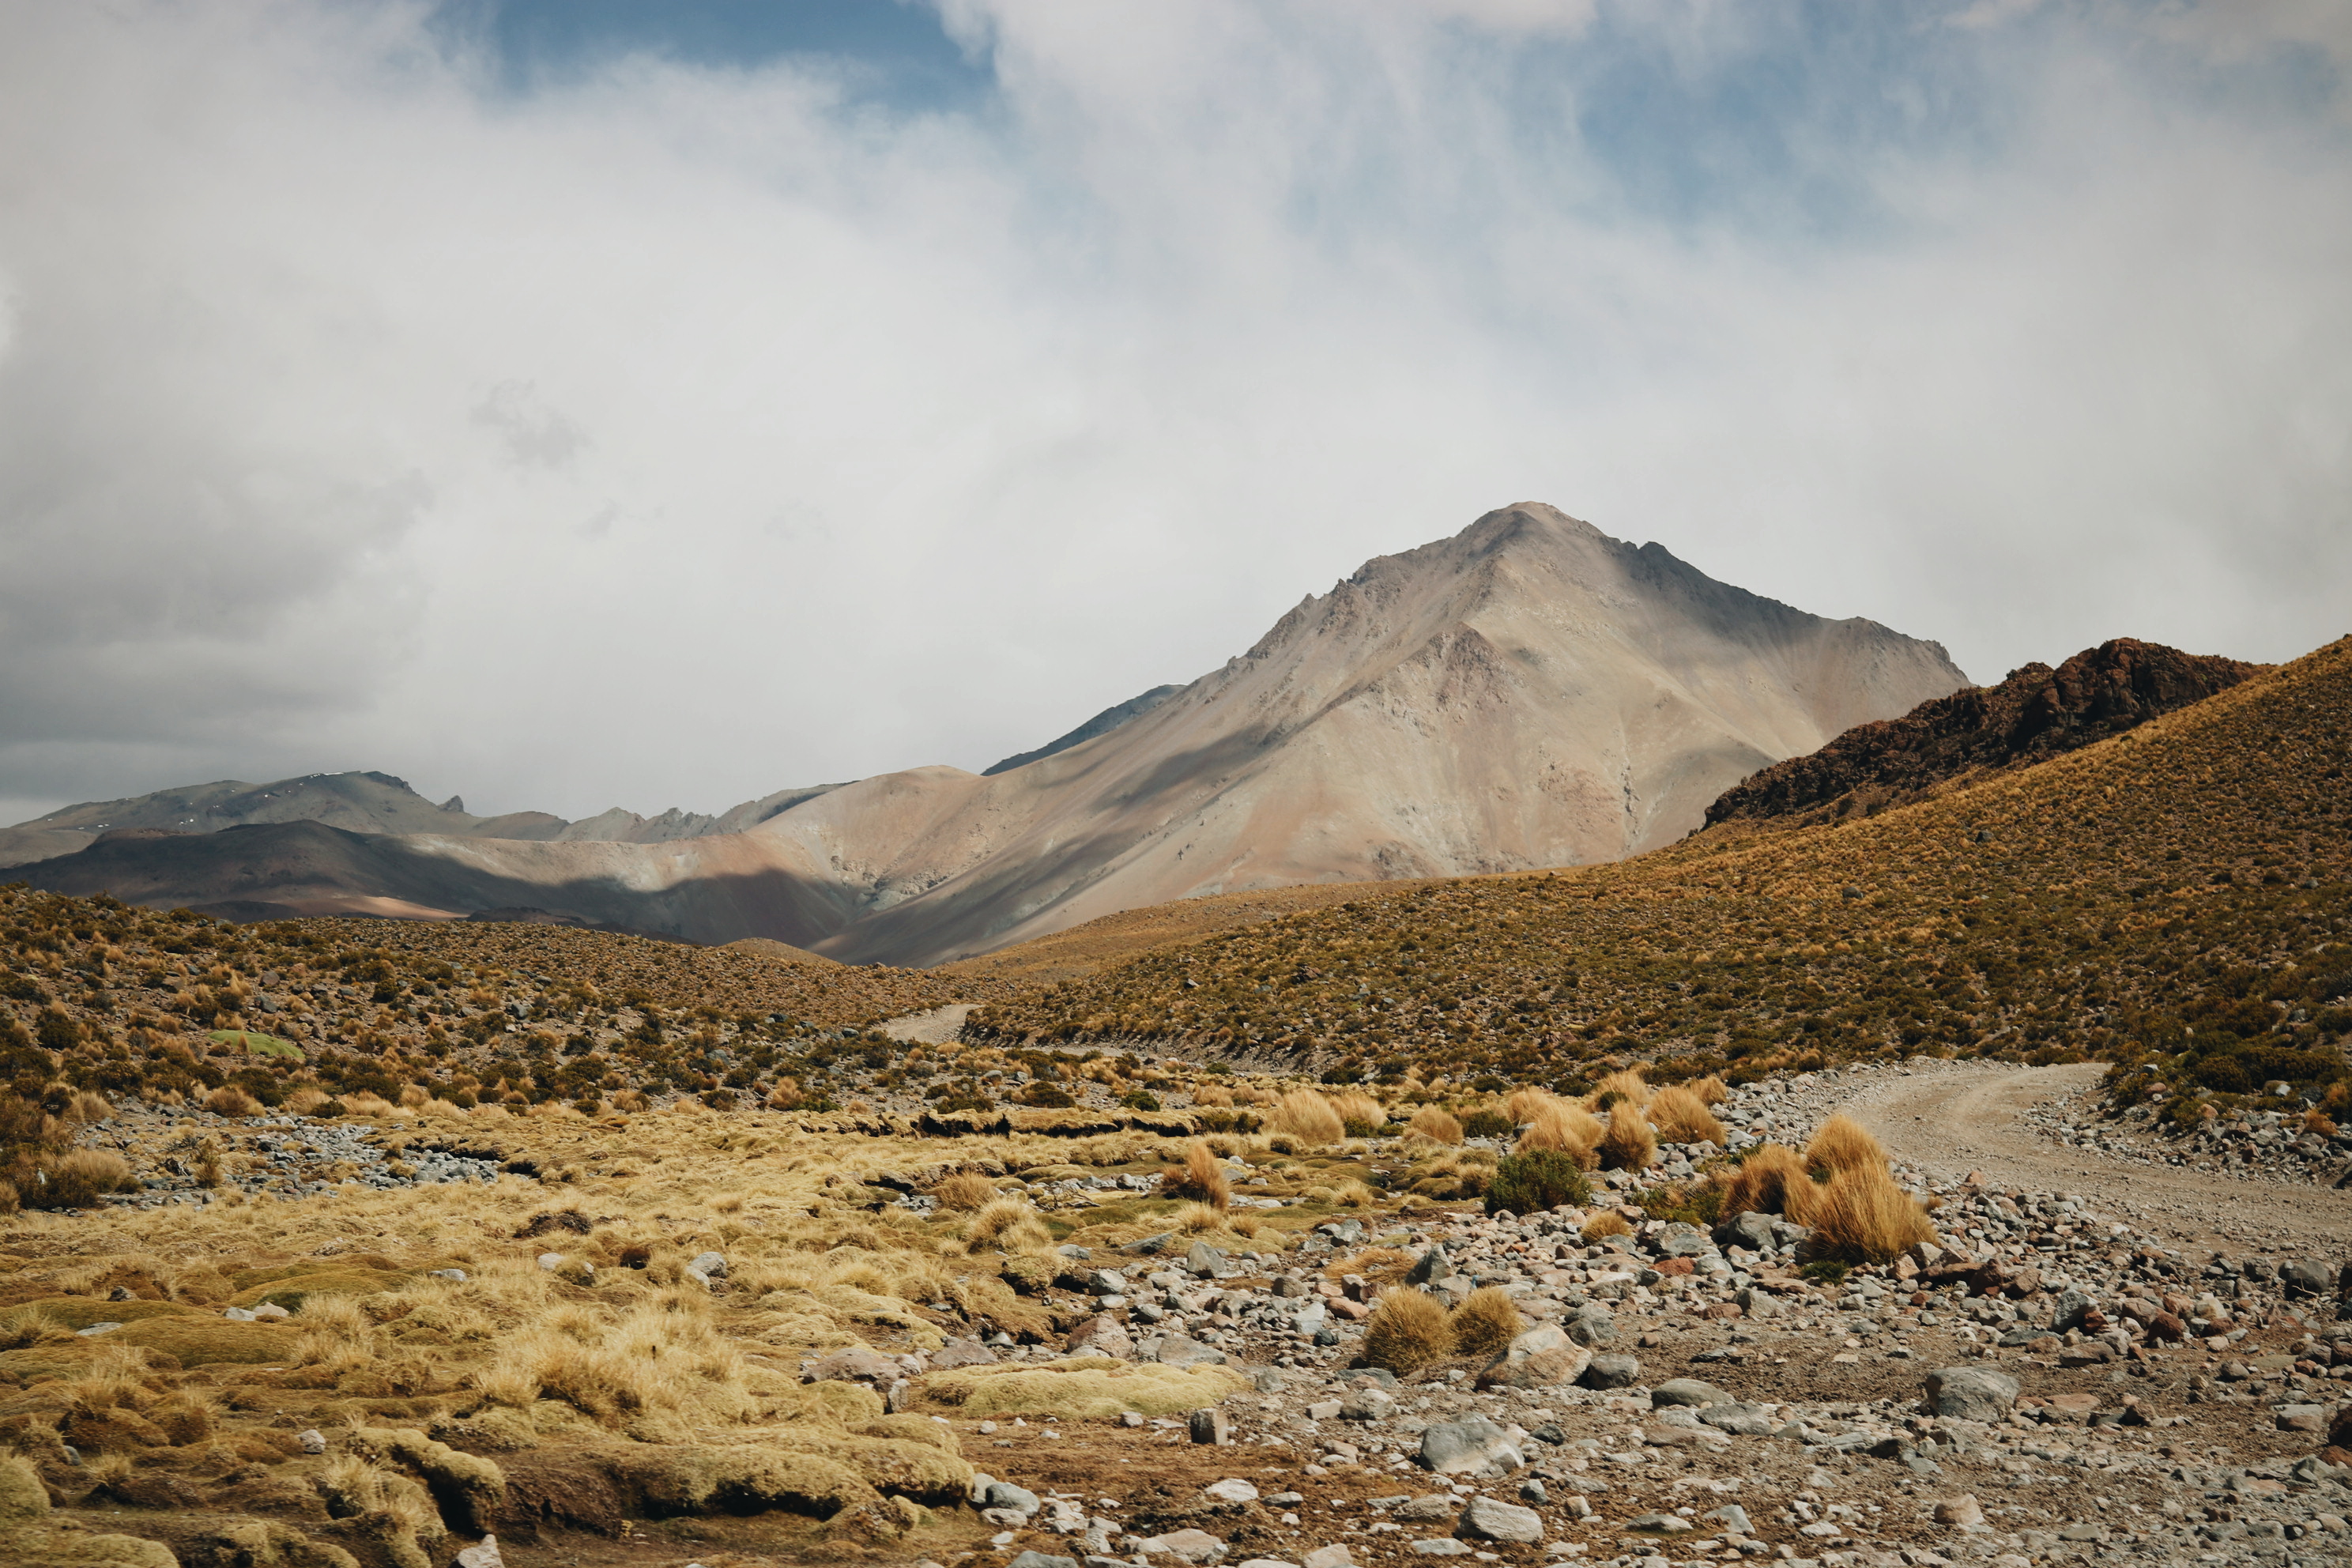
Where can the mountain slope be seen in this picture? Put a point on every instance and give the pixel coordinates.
(1102, 723)
(1529, 693)
(2035, 714)
(2183, 889)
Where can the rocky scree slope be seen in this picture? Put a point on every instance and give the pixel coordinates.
(2033, 715)
(2182, 891)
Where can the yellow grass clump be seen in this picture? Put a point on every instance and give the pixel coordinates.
(1407, 1331)
(1526, 1104)
(1681, 1117)
(1629, 1144)
(1360, 1114)
(1772, 1180)
(964, 1193)
(228, 1100)
(1008, 1224)
(1864, 1216)
(1608, 1221)
(1307, 1115)
(1201, 1179)
(1841, 1144)
(1625, 1085)
(1486, 1324)
(1711, 1090)
(1564, 1126)
(1436, 1125)
(1083, 1388)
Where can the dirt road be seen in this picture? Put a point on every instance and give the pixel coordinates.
(1950, 1123)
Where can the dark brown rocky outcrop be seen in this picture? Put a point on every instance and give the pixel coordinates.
(2033, 715)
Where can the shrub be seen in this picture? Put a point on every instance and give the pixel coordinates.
(1710, 1089)
(1436, 1125)
(1140, 1099)
(1201, 1179)
(229, 1099)
(1009, 1224)
(1843, 1145)
(1535, 1180)
(1608, 1221)
(1406, 1331)
(1762, 1183)
(1307, 1116)
(77, 1180)
(1629, 1144)
(1628, 1085)
(1194, 1218)
(1865, 1218)
(1360, 1114)
(1486, 1324)
(1487, 1122)
(1526, 1104)
(1681, 1117)
(963, 1194)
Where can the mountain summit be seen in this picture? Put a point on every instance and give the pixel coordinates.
(1528, 692)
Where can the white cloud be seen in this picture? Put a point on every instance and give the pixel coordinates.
(676, 435)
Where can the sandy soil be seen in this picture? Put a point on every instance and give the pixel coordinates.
(1952, 1121)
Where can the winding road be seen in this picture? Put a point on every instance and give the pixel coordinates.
(1951, 1121)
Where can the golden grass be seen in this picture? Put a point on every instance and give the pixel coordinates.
(1567, 1128)
(1763, 1181)
(1436, 1125)
(1307, 1115)
(1525, 1105)
(1627, 1084)
(1486, 1322)
(1201, 1179)
(1864, 1216)
(1359, 1113)
(1681, 1117)
(1008, 1224)
(965, 1192)
(1083, 1388)
(1841, 1144)
(1710, 1089)
(1628, 1143)
(228, 1100)
(1608, 1221)
(1406, 1331)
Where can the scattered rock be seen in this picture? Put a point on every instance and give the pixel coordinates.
(1231, 1490)
(1485, 1520)
(1963, 1512)
(1971, 1393)
(1460, 1447)
(1542, 1356)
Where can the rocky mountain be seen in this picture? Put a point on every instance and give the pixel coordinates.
(1102, 723)
(1528, 692)
(2034, 714)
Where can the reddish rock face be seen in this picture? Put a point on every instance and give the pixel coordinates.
(2035, 714)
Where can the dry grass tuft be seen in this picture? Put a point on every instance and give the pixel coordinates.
(1843, 1145)
(1765, 1182)
(1681, 1117)
(1009, 1224)
(1711, 1090)
(1864, 1216)
(1438, 1126)
(1629, 1144)
(1196, 1218)
(964, 1193)
(1406, 1331)
(1307, 1116)
(1486, 1324)
(1201, 1179)
(1561, 1126)
(1360, 1114)
(1627, 1085)
(1608, 1221)
(228, 1100)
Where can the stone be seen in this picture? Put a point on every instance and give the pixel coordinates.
(854, 1364)
(1659, 1524)
(1532, 1491)
(2303, 1418)
(1485, 1520)
(313, 1441)
(1593, 1326)
(268, 1312)
(1324, 1410)
(238, 1315)
(1011, 1498)
(1748, 1229)
(961, 1353)
(1542, 1356)
(1332, 1556)
(483, 1556)
(1100, 1335)
(454, 1276)
(550, 1261)
(2308, 1277)
(1687, 1391)
(1231, 1490)
(1149, 1245)
(1366, 1405)
(1433, 1505)
(1443, 1546)
(1190, 1545)
(1033, 1559)
(1732, 1517)
(1610, 1371)
(1266, 1562)
(1963, 1512)
(2070, 1308)
(1203, 1260)
(1210, 1426)
(1177, 1350)
(1459, 1448)
(1739, 1420)
(1432, 1267)
(706, 1267)
(1971, 1393)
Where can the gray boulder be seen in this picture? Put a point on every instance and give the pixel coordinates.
(2308, 1277)
(1687, 1391)
(1610, 1371)
(1177, 1350)
(2068, 1312)
(1740, 1420)
(1749, 1229)
(1971, 1392)
(1485, 1520)
(1042, 1560)
(1593, 1326)
(1005, 1495)
(1203, 1260)
(1460, 1447)
(1431, 1268)
(1538, 1358)
(1435, 1505)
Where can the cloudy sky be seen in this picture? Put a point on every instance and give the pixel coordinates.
(579, 403)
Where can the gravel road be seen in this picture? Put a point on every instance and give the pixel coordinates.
(1950, 1122)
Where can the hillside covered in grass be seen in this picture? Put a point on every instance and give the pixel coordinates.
(2184, 889)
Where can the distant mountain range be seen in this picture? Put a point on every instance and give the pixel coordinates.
(1529, 693)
